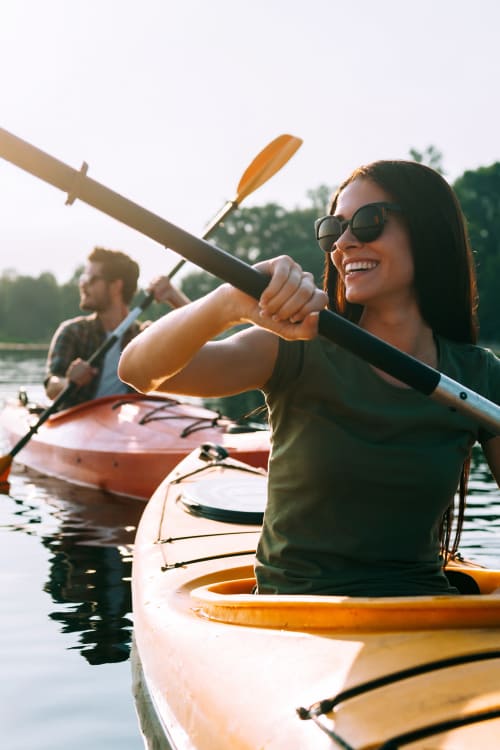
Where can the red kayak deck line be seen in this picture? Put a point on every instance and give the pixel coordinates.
(126, 444)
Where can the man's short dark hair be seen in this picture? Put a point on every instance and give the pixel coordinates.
(117, 265)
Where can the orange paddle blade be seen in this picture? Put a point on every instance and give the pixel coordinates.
(274, 156)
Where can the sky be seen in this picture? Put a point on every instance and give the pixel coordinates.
(169, 101)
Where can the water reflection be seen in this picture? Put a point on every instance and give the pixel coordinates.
(481, 535)
(95, 580)
(89, 536)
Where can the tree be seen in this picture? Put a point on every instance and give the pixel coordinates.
(31, 308)
(263, 232)
(431, 156)
(479, 195)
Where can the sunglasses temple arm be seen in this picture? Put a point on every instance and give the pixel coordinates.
(409, 370)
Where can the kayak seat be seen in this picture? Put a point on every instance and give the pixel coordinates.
(464, 582)
(233, 602)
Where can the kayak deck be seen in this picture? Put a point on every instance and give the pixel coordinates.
(228, 670)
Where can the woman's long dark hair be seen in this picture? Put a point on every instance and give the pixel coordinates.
(445, 279)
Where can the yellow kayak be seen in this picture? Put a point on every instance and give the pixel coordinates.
(218, 668)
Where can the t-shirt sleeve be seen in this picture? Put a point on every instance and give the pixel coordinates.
(287, 366)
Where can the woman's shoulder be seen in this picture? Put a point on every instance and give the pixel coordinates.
(470, 362)
(469, 354)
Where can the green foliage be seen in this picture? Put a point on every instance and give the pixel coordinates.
(262, 232)
(31, 308)
(431, 156)
(479, 195)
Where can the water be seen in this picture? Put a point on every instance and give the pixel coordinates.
(65, 619)
(65, 616)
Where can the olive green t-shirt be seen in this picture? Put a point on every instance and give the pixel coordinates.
(361, 472)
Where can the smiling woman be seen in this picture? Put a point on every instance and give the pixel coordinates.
(363, 471)
(381, 257)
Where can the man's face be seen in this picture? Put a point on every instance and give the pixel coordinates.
(94, 289)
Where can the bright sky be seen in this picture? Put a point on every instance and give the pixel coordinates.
(170, 100)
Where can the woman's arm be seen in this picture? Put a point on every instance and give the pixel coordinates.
(177, 353)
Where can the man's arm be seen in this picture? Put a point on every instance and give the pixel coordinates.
(165, 291)
(64, 361)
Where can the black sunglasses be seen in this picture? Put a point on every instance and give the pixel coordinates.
(366, 224)
(86, 280)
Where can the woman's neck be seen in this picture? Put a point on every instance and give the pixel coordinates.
(407, 331)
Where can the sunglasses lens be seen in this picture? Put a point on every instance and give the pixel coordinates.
(328, 230)
(367, 223)
(86, 280)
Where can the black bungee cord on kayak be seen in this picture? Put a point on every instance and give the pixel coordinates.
(325, 706)
(157, 414)
(214, 455)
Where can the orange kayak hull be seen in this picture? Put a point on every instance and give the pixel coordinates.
(125, 445)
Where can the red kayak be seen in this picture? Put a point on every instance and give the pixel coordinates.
(126, 444)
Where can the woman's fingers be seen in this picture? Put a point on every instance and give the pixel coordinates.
(291, 294)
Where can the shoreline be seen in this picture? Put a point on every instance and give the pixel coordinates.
(7, 346)
(12, 347)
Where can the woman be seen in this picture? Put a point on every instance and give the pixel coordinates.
(363, 470)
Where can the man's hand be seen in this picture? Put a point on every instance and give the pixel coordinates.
(165, 292)
(80, 372)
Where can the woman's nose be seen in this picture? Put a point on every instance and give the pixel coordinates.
(346, 240)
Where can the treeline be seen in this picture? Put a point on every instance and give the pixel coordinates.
(31, 308)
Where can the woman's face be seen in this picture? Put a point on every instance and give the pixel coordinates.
(377, 273)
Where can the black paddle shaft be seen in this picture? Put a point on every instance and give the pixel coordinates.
(106, 345)
(221, 264)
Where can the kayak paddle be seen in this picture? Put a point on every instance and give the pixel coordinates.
(267, 162)
(378, 353)
(117, 333)
(262, 168)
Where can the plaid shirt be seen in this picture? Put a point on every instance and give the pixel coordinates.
(80, 337)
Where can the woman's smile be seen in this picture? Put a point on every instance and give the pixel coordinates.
(351, 266)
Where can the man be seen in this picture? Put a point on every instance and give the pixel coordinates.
(107, 286)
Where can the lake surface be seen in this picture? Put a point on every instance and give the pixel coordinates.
(65, 617)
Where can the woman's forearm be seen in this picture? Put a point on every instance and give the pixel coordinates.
(168, 345)
(176, 353)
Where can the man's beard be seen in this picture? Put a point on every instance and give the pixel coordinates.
(99, 306)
